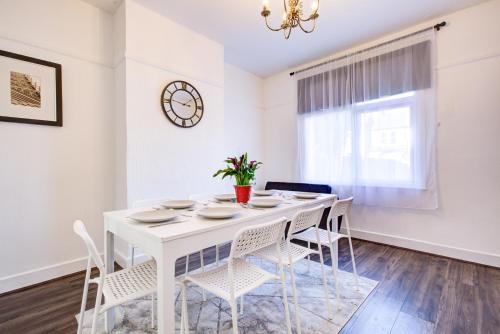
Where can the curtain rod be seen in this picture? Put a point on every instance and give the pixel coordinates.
(437, 27)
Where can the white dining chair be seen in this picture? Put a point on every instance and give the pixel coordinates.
(118, 287)
(330, 239)
(145, 203)
(238, 277)
(291, 253)
(203, 198)
(152, 203)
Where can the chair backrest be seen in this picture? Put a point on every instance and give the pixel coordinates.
(252, 238)
(80, 229)
(147, 203)
(307, 187)
(305, 219)
(340, 207)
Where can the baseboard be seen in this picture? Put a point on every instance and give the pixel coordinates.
(39, 275)
(126, 261)
(428, 247)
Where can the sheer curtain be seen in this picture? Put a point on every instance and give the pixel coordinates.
(367, 125)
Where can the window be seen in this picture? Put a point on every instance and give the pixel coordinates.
(377, 144)
(366, 124)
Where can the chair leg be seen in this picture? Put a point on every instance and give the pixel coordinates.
(285, 300)
(354, 264)
(217, 255)
(187, 265)
(325, 283)
(241, 304)
(295, 300)
(97, 307)
(234, 315)
(84, 299)
(152, 311)
(309, 257)
(132, 256)
(335, 257)
(202, 264)
(184, 312)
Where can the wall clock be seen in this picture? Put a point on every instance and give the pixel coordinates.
(182, 104)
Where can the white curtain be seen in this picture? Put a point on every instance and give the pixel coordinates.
(367, 124)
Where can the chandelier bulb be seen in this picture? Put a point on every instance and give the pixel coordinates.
(265, 5)
(314, 6)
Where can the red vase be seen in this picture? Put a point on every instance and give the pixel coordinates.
(242, 193)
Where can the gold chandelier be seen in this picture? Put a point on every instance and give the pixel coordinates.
(293, 16)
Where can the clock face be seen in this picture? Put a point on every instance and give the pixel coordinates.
(182, 104)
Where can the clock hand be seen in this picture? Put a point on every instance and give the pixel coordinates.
(184, 104)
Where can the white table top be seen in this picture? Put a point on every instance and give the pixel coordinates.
(197, 224)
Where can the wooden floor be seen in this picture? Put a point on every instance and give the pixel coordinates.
(417, 293)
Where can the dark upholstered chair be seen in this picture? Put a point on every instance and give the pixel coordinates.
(306, 187)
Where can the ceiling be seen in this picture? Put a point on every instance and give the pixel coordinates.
(248, 44)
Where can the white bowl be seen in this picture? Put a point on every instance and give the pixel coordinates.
(263, 192)
(305, 195)
(219, 212)
(225, 197)
(266, 202)
(153, 216)
(178, 204)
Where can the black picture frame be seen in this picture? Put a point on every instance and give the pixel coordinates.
(58, 89)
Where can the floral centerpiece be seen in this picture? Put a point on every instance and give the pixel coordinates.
(243, 172)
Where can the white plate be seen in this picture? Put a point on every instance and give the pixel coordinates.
(153, 216)
(219, 212)
(263, 192)
(225, 197)
(306, 195)
(267, 202)
(178, 204)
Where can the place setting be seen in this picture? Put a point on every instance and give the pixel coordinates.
(166, 213)
(158, 217)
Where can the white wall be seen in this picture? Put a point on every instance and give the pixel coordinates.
(243, 113)
(50, 176)
(467, 224)
(163, 160)
(116, 145)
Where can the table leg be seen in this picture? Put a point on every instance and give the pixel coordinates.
(166, 294)
(109, 261)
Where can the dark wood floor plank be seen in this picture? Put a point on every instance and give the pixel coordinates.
(398, 276)
(408, 324)
(488, 299)
(417, 293)
(424, 297)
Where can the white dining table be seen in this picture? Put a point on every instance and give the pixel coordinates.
(167, 243)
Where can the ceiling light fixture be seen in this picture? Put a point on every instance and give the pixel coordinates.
(293, 16)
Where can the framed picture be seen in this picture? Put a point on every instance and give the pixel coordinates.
(30, 90)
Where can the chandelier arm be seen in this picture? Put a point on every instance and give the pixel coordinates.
(271, 28)
(311, 17)
(287, 35)
(308, 31)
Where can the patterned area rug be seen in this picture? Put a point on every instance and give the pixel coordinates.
(263, 308)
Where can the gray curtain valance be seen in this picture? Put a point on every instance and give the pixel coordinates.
(399, 71)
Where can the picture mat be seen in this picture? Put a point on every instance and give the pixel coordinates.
(47, 76)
